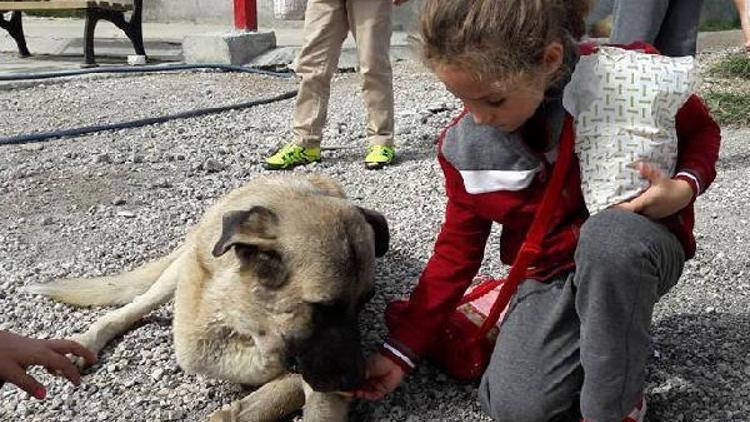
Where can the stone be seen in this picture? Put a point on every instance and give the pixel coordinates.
(235, 48)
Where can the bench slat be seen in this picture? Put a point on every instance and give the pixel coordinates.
(65, 4)
(104, 2)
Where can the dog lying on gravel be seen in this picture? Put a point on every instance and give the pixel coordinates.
(267, 288)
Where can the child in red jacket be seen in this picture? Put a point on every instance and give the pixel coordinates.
(575, 338)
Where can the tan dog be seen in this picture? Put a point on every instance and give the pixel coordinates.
(267, 289)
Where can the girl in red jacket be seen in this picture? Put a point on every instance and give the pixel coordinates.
(575, 339)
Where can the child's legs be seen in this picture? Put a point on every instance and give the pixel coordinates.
(624, 263)
(637, 20)
(743, 8)
(679, 31)
(370, 22)
(535, 373)
(326, 27)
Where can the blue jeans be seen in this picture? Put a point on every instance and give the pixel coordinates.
(670, 25)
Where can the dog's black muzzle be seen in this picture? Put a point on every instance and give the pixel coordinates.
(331, 358)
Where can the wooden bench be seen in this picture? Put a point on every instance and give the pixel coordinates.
(110, 10)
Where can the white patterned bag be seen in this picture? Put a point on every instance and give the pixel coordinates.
(624, 104)
(289, 10)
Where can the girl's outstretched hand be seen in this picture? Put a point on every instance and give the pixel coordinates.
(17, 353)
(663, 198)
(383, 376)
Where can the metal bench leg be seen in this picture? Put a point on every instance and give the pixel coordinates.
(133, 28)
(15, 29)
(92, 17)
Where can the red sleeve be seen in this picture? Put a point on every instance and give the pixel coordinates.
(457, 256)
(699, 139)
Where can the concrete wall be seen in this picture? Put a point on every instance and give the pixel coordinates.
(220, 12)
(204, 11)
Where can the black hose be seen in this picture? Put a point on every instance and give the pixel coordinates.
(42, 136)
(39, 137)
(140, 69)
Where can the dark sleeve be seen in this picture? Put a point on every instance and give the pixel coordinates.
(699, 139)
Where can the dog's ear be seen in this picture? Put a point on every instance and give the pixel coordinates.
(246, 228)
(380, 226)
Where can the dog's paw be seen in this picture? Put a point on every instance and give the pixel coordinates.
(229, 413)
(86, 342)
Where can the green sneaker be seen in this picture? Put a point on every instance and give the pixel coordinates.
(379, 156)
(292, 155)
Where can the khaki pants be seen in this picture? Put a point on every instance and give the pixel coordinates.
(327, 23)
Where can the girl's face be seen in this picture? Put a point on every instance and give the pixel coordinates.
(505, 106)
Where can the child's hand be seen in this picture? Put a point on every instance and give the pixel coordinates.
(17, 353)
(383, 376)
(663, 198)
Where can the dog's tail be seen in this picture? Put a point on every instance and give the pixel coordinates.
(109, 290)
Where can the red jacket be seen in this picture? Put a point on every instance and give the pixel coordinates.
(459, 248)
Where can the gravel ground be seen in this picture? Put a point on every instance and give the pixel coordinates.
(110, 201)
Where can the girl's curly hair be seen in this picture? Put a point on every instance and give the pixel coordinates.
(497, 38)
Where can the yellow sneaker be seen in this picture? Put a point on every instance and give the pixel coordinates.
(292, 155)
(379, 156)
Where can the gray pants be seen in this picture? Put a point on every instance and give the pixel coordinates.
(584, 337)
(670, 25)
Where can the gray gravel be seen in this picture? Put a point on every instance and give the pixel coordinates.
(104, 202)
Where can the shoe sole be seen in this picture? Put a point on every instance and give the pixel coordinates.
(377, 166)
(282, 167)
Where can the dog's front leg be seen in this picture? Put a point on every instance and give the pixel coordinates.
(271, 402)
(325, 407)
(118, 321)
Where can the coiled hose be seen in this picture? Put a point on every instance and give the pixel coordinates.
(73, 132)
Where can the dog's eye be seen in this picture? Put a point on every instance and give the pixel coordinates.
(267, 256)
(267, 265)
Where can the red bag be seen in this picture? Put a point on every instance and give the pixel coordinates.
(463, 347)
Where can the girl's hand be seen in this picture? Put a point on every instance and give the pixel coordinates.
(383, 376)
(663, 198)
(17, 353)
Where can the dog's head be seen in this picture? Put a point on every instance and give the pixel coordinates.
(302, 274)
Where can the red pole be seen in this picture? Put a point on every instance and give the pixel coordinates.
(245, 15)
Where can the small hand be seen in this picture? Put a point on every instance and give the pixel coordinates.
(383, 376)
(663, 198)
(17, 353)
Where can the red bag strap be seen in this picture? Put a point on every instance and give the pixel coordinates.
(531, 247)
(482, 289)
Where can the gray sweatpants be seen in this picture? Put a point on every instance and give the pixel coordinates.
(584, 337)
(670, 25)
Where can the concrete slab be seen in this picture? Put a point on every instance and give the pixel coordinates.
(282, 58)
(64, 37)
(58, 44)
(236, 48)
(719, 40)
(163, 41)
